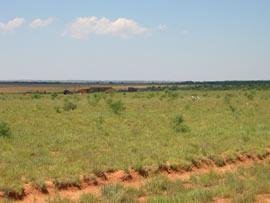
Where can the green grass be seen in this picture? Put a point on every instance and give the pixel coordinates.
(49, 143)
(239, 186)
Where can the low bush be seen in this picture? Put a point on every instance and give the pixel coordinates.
(54, 95)
(178, 124)
(36, 96)
(57, 109)
(116, 106)
(5, 130)
(69, 106)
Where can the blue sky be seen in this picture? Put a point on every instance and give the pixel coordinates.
(135, 40)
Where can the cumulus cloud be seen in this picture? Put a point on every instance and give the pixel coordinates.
(41, 23)
(12, 24)
(123, 27)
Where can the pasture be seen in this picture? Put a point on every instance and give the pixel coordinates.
(62, 138)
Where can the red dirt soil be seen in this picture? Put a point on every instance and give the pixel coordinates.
(135, 179)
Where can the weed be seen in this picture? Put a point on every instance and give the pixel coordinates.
(232, 108)
(178, 124)
(58, 199)
(88, 198)
(36, 96)
(57, 109)
(69, 106)
(53, 95)
(116, 106)
(158, 185)
(5, 130)
(117, 193)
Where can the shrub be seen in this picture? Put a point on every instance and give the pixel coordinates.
(233, 109)
(178, 124)
(95, 100)
(116, 106)
(172, 94)
(54, 95)
(111, 92)
(5, 130)
(88, 198)
(69, 106)
(158, 185)
(57, 109)
(36, 96)
(227, 99)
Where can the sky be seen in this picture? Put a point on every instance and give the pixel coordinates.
(176, 40)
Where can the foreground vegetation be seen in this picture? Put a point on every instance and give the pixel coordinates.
(241, 186)
(60, 137)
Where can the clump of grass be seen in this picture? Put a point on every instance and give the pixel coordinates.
(250, 95)
(57, 109)
(232, 108)
(36, 96)
(5, 130)
(53, 95)
(69, 106)
(150, 96)
(116, 106)
(227, 98)
(58, 199)
(95, 100)
(88, 198)
(178, 124)
(158, 185)
(100, 120)
(117, 193)
(112, 92)
(172, 95)
(206, 180)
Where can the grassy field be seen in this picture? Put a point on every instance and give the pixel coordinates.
(21, 88)
(60, 137)
(241, 186)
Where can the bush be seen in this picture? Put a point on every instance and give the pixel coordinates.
(36, 96)
(95, 100)
(5, 130)
(178, 124)
(69, 106)
(116, 106)
(111, 92)
(54, 95)
(57, 109)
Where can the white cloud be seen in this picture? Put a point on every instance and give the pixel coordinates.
(41, 23)
(162, 27)
(123, 27)
(12, 24)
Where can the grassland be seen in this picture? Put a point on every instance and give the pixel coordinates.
(21, 88)
(50, 143)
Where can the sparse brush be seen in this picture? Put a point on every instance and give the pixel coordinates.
(158, 185)
(178, 124)
(117, 193)
(116, 106)
(5, 130)
(36, 96)
(88, 198)
(58, 199)
(69, 106)
(53, 95)
(232, 108)
(57, 109)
